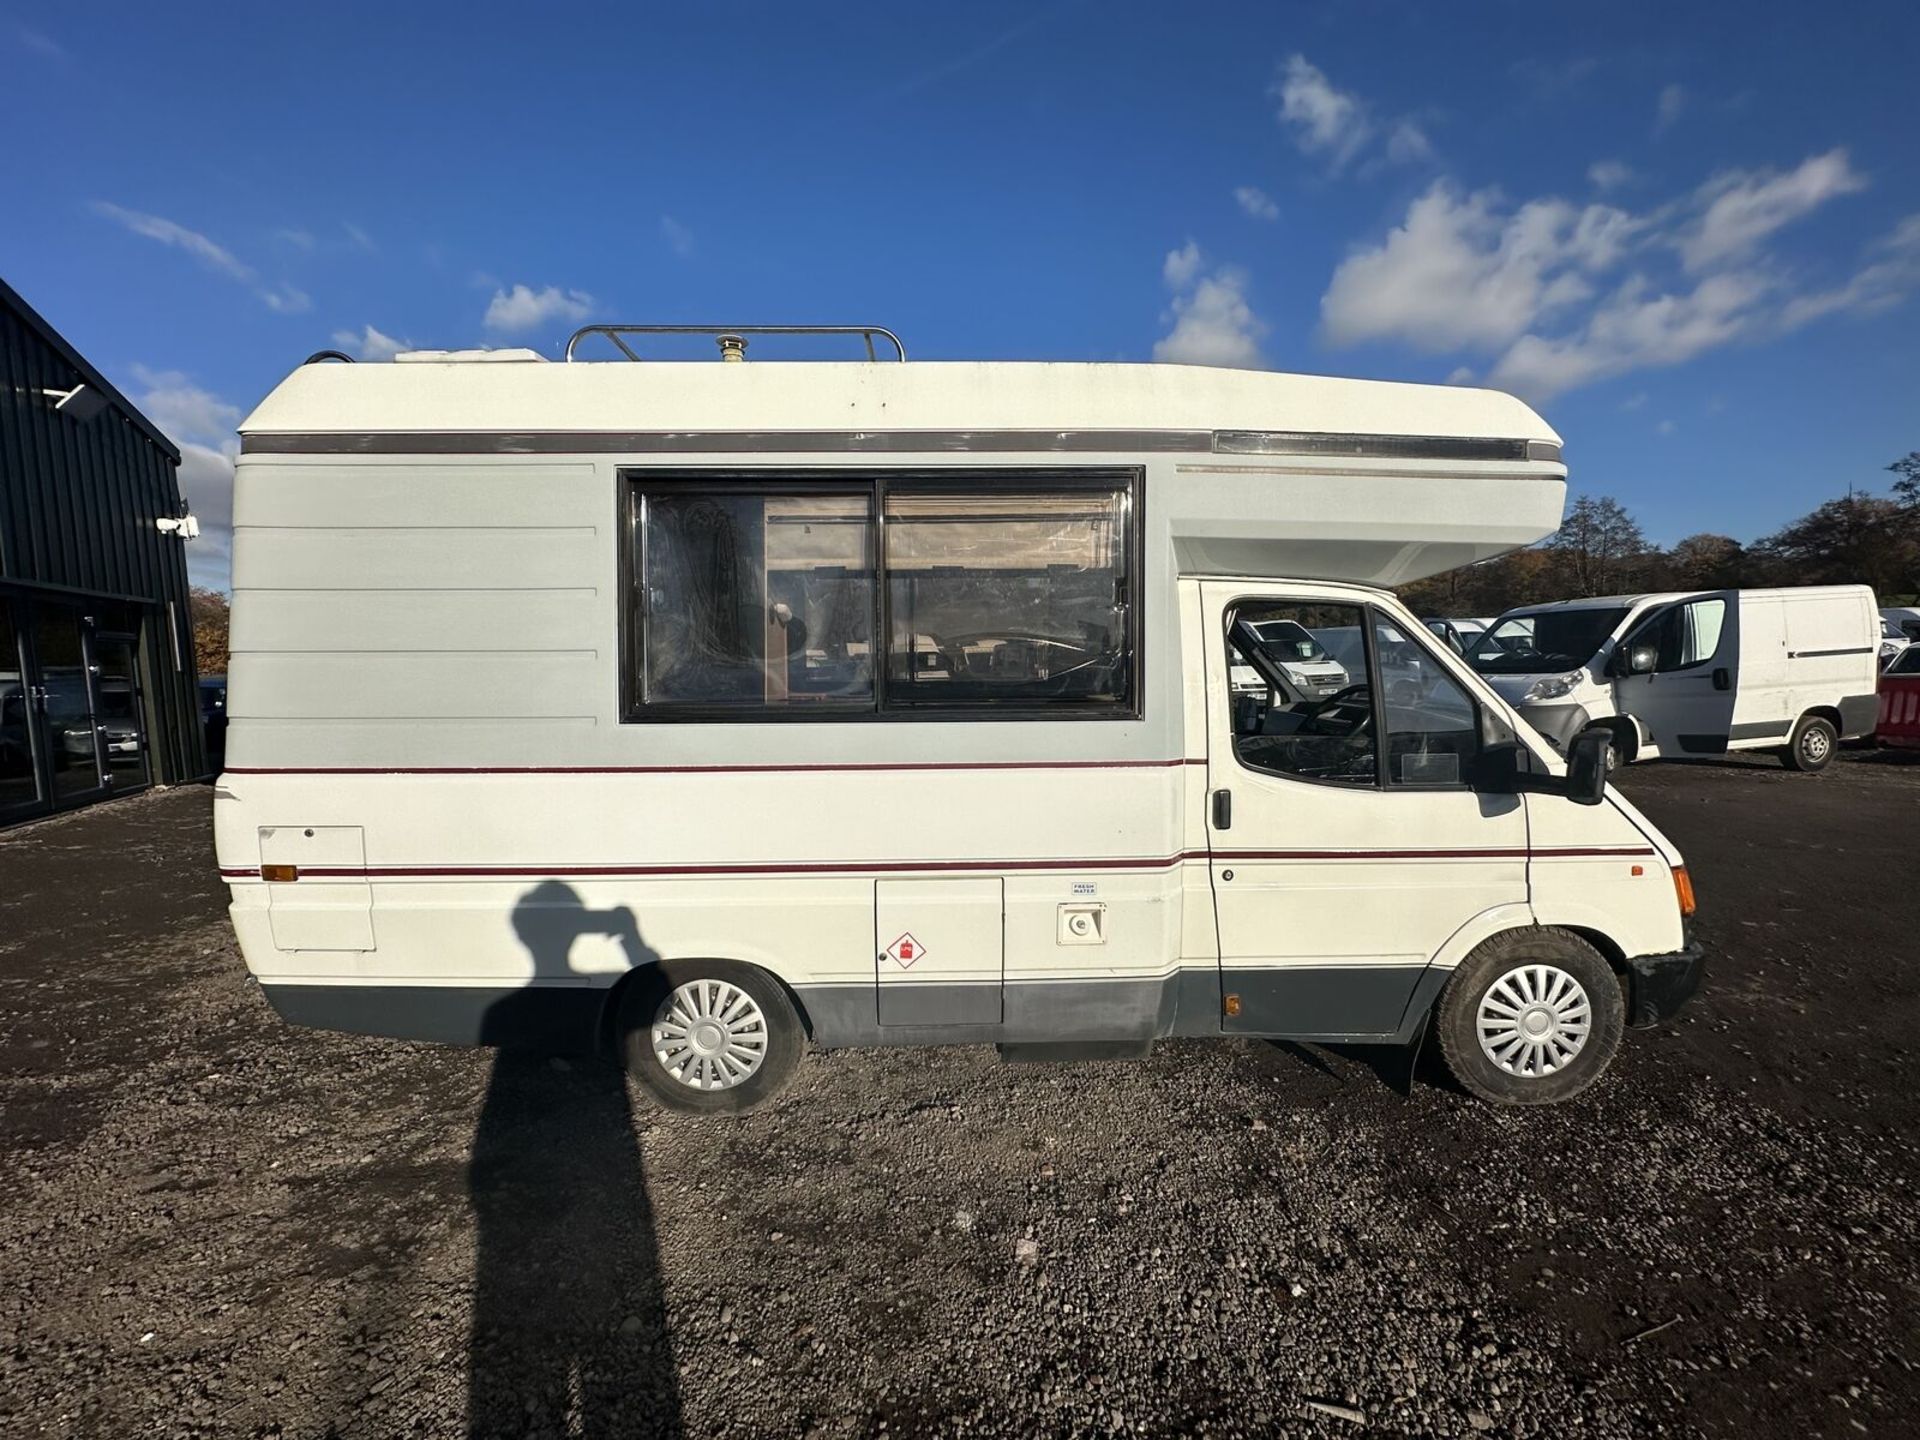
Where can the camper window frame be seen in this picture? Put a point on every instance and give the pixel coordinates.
(636, 482)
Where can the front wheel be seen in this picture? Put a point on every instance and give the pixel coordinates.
(1812, 746)
(709, 1037)
(1530, 1017)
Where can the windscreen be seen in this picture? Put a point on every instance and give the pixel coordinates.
(1545, 640)
(1288, 642)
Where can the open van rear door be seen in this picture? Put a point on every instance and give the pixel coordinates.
(1685, 701)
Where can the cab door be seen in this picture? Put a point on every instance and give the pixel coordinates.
(1346, 845)
(1683, 692)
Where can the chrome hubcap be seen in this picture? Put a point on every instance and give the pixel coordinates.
(710, 1035)
(1814, 743)
(1534, 1020)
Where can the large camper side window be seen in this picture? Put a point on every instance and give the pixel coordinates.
(882, 594)
(756, 600)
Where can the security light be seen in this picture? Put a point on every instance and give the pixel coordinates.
(80, 404)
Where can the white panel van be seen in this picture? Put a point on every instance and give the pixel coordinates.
(695, 712)
(1702, 673)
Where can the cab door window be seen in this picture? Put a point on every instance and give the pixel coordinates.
(1431, 726)
(1301, 691)
(1684, 635)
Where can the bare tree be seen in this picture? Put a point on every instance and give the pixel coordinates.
(1600, 545)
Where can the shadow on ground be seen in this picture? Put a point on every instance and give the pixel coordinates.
(569, 1323)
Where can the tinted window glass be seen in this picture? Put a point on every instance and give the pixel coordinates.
(1544, 641)
(1684, 635)
(1016, 598)
(1431, 726)
(757, 600)
(1302, 711)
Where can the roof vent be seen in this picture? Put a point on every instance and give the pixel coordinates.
(733, 348)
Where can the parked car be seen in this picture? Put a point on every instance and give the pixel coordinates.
(213, 718)
(1694, 674)
(1899, 628)
(1899, 723)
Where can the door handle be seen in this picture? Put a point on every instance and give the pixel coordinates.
(1223, 809)
(1723, 679)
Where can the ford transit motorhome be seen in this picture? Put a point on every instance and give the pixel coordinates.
(695, 711)
(1700, 673)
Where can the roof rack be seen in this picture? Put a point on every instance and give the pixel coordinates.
(732, 338)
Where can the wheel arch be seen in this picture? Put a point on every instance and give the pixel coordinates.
(606, 1036)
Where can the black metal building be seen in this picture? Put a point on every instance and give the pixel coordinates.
(98, 695)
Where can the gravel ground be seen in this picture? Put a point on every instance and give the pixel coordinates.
(212, 1224)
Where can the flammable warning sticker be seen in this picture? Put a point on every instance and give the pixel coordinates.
(904, 951)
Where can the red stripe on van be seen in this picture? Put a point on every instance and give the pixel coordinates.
(703, 769)
(871, 867)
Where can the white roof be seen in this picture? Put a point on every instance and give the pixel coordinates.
(428, 394)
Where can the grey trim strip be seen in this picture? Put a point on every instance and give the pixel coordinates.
(726, 442)
(1761, 729)
(1381, 447)
(898, 442)
(1817, 654)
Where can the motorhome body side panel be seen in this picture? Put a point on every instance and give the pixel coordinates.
(428, 648)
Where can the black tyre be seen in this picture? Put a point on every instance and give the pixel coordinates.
(1530, 1017)
(1617, 752)
(709, 1037)
(1812, 746)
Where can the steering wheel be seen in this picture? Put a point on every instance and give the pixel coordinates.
(1337, 699)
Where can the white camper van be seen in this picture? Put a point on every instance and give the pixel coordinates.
(1699, 673)
(695, 711)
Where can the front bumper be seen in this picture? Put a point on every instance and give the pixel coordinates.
(1661, 984)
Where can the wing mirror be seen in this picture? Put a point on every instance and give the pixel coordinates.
(1587, 766)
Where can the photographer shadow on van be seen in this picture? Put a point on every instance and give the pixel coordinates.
(570, 1332)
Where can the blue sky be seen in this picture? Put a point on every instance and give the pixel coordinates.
(1690, 234)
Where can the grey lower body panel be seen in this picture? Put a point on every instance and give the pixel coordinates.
(1858, 715)
(557, 1017)
(1359, 1003)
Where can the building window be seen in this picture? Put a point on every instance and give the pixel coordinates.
(1006, 595)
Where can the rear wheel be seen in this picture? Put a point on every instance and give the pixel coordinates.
(710, 1037)
(1530, 1017)
(1812, 746)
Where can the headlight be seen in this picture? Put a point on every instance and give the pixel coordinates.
(1555, 686)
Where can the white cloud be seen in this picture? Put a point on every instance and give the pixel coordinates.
(358, 238)
(156, 227)
(1337, 125)
(1635, 328)
(1562, 295)
(1666, 427)
(524, 308)
(1408, 144)
(1460, 375)
(40, 42)
(1610, 174)
(201, 424)
(1326, 120)
(370, 344)
(678, 237)
(1181, 266)
(1212, 322)
(296, 237)
(1635, 401)
(1673, 100)
(282, 298)
(1891, 273)
(1458, 272)
(1256, 202)
(1741, 208)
